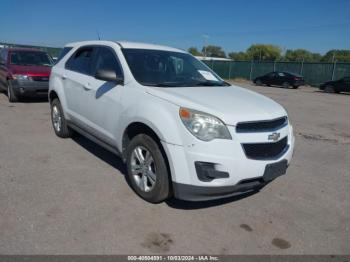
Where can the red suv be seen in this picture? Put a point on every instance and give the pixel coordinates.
(24, 72)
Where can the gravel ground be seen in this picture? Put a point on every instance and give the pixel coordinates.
(70, 196)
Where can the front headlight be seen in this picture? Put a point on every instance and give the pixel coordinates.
(22, 77)
(203, 126)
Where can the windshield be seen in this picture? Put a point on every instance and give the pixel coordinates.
(169, 69)
(30, 58)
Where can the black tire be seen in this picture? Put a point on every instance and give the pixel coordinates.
(295, 87)
(286, 85)
(12, 97)
(161, 189)
(258, 82)
(329, 89)
(64, 131)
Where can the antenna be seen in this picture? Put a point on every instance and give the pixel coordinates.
(206, 37)
(98, 34)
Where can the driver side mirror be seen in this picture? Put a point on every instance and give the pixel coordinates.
(109, 76)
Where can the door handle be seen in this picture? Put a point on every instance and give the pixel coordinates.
(87, 87)
(64, 77)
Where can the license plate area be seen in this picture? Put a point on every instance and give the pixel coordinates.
(272, 171)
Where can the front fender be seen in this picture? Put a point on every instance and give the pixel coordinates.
(159, 115)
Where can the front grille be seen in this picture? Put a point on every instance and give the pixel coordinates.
(40, 78)
(262, 151)
(262, 126)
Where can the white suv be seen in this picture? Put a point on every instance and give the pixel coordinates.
(180, 129)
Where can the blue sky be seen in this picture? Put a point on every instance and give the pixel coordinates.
(317, 25)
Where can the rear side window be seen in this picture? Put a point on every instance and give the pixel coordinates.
(81, 61)
(63, 52)
(107, 60)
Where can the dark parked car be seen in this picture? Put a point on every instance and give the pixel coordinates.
(341, 85)
(284, 79)
(24, 72)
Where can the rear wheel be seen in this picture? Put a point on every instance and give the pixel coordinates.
(147, 171)
(12, 97)
(295, 87)
(58, 120)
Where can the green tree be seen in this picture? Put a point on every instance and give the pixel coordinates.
(238, 56)
(302, 55)
(264, 52)
(337, 55)
(213, 51)
(194, 51)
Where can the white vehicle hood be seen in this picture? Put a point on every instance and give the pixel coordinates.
(232, 104)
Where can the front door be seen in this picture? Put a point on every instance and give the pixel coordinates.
(102, 105)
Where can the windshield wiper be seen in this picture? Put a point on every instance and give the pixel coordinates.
(209, 83)
(162, 84)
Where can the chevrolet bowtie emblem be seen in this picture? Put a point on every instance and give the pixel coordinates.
(274, 136)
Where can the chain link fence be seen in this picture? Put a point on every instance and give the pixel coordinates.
(314, 73)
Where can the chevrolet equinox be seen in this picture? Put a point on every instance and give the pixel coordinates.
(181, 130)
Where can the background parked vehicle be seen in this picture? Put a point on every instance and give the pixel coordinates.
(284, 79)
(337, 86)
(24, 72)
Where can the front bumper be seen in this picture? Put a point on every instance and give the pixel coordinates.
(228, 156)
(30, 88)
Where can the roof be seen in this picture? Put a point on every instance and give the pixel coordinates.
(127, 44)
(208, 58)
(23, 49)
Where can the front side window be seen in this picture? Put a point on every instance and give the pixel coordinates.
(30, 58)
(169, 69)
(106, 60)
(81, 61)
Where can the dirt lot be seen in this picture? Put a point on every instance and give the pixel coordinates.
(70, 196)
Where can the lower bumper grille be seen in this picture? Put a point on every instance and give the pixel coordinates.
(40, 78)
(261, 151)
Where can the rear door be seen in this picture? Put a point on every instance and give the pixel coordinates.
(78, 72)
(280, 78)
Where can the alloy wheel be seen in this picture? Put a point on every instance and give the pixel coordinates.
(56, 118)
(143, 168)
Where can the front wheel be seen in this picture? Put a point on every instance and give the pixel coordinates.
(147, 171)
(258, 82)
(12, 97)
